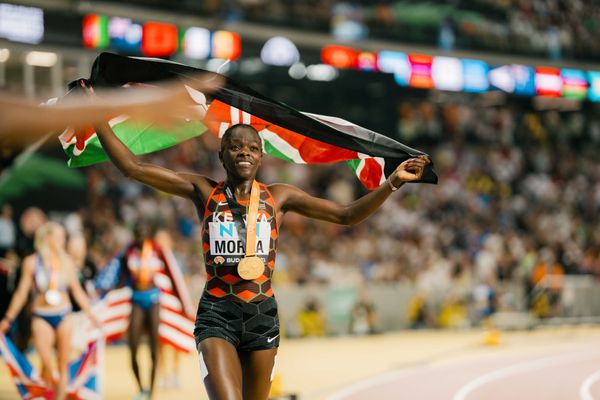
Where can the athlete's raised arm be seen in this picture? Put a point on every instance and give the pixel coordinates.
(22, 120)
(160, 178)
(21, 294)
(291, 198)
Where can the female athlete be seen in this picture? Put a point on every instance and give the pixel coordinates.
(237, 329)
(51, 273)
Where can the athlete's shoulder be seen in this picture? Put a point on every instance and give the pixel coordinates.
(280, 189)
(281, 192)
(198, 179)
(29, 261)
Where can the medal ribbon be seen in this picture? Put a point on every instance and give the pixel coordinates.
(250, 227)
(251, 221)
(54, 267)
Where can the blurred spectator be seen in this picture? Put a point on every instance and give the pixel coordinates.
(86, 270)
(8, 233)
(311, 319)
(363, 320)
(552, 28)
(512, 182)
(548, 278)
(31, 219)
(417, 312)
(8, 281)
(454, 313)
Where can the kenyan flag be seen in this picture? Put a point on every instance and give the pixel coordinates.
(83, 147)
(293, 147)
(287, 133)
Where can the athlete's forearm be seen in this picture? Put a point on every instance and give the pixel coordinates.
(155, 176)
(295, 200)
(119, 154)
(362, 208)
(19, 299)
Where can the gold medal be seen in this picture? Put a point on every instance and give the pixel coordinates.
(250, 268)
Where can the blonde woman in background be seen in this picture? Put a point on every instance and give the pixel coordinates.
(49, 273)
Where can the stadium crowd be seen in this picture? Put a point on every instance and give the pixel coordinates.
(518, 201)
(556, 28)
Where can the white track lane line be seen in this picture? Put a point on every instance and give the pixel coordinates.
(372, 382)
(528, 366)
(585, 391)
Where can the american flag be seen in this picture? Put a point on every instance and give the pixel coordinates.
(176, 327)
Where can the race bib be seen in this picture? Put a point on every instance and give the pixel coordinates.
(224, 239)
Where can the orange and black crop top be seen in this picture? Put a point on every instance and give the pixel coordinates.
(223, 248)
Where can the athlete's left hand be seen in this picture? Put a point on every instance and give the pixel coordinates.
(410, 170)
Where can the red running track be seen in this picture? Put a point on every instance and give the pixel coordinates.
(566, 373)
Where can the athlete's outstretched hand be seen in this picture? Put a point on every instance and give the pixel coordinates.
(410, 170)
(23, 120)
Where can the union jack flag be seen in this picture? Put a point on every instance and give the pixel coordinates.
(84, 373)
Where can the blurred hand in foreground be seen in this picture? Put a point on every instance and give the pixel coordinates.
(23, 121)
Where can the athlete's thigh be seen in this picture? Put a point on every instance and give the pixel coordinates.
(136, 325)
(152, 323)
(257, 369)
(64, 331)
(43, 340)
(221, 369)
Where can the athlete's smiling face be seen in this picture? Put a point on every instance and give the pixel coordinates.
(241, 152)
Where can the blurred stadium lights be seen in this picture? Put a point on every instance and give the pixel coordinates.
(340, 56)
(196, 43)
(4, 55)
(226, 45)
(594, 91)
(41, 58)
(279, 51)
(132, 30)
(297, 71)
(502, 78)
(426, 71)
(125, 35)
(575, 84)
(321, 72)
(447, 74)
(95, 31)
(159, 39)
(21, 24)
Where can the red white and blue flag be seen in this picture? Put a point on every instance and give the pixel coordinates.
(176, 325)
(84, 373)
(29, 383)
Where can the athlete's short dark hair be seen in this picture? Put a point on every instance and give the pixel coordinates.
(227, 135)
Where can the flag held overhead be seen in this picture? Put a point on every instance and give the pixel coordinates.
(287, 133)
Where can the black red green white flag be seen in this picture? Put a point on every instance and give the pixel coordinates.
(287, 133)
